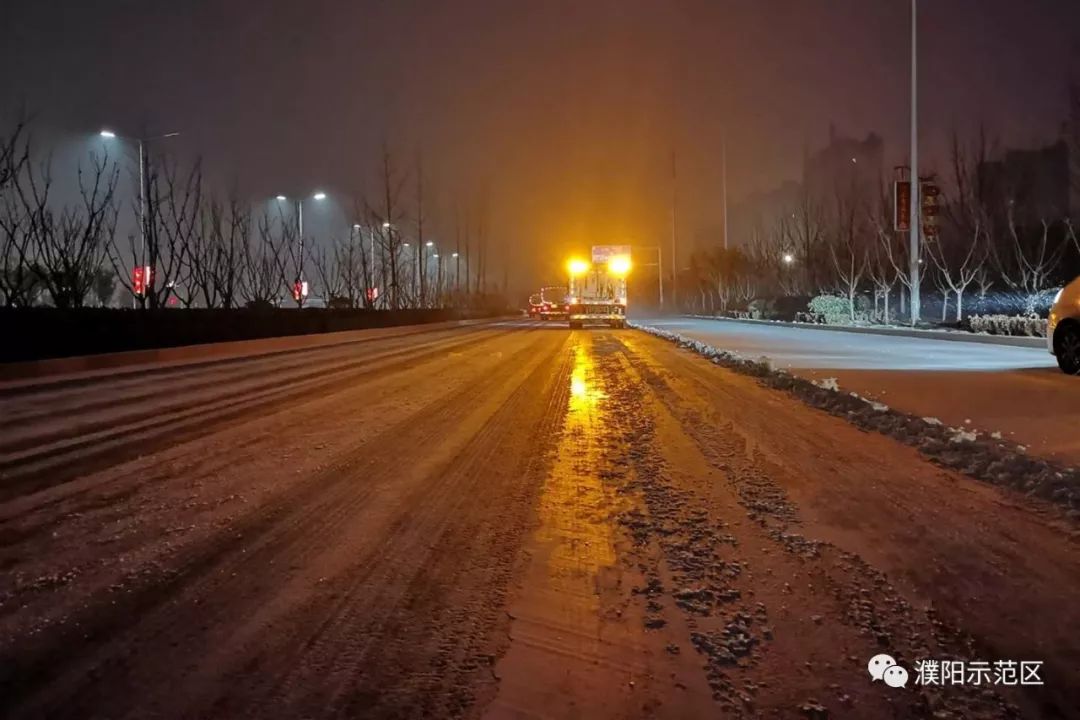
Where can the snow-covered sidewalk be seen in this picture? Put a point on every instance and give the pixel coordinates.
(895, 330)
(1017, 393)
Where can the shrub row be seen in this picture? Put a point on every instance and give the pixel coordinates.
(1030, 325)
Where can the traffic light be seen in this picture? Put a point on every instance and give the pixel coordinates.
(138, 280)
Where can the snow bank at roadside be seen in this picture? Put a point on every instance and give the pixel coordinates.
(986, 458)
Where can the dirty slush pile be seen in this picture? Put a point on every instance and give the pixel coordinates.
(988, 459)
(694, 564)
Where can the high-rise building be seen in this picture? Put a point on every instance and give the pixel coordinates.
(844, 166)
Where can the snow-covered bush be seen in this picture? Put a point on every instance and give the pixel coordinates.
(762, 309)
(1026, 325)
(834, 309)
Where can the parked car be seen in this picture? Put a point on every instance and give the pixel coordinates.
(1063, 328)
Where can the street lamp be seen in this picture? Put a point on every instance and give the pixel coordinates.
(915, 220)
(108, 134)
(788, 258)
(318, 195)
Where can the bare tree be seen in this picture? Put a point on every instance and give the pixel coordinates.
(847, 248)
(958, 252)
(1029, 260)
(14, 153)
(67, 244)
(388, 216)
(19, 279)
(330, 272)
(104, 285)
(807, 236)
(896, 251)
(215, 254)
(261, 282)
(957, 264)
(879, 267)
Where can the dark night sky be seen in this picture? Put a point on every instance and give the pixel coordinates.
(561, 113)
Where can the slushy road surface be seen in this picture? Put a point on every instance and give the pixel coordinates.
(1016, 391)
(508, 519)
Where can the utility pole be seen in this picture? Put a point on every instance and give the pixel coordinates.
(723, 163)
(674, 259)
(420, 226)
(916, 188)
(300, 233)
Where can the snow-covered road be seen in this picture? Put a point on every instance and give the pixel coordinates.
(503, 520)
(1016, 391)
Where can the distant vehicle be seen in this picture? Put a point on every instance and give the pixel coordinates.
(1063, 328)
(598, 289)
(553, 302)
(535, 303)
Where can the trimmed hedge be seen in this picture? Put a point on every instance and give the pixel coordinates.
(40, 333)
(1020, 325)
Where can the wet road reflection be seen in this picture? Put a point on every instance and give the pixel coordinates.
(562, 649)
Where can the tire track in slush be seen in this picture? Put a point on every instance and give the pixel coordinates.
(369, 612)
(582, 646)
(854, 603)
(38, 466)
(321, 511)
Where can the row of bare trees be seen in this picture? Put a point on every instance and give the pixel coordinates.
(994, 239)
(196, 247)
(48, 248)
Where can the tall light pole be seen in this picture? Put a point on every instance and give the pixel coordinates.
(428, 245)
(916, 189)
(674, 260)
(457, 274)
(438, 276)
(723, 172)
(318, 196)
(110, 135)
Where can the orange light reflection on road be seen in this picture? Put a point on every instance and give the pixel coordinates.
(584, 394)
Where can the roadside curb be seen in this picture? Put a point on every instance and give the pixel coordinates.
(1013, 341)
